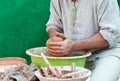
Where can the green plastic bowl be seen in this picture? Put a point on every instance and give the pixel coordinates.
(79, 57)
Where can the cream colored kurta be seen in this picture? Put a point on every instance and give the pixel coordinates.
(92, 16)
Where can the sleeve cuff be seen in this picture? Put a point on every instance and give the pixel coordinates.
(57, 29)
(109, 36)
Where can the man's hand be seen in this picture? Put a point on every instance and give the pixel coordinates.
(60, 48)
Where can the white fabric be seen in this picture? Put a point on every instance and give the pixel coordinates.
(106, 69)
(93, 16)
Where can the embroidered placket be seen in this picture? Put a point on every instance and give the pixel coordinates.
(73, 18)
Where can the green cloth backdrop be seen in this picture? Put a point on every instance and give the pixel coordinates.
(22, 26)
(119, 2)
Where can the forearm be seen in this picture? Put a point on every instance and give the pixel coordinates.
(52, 32)
(95, 42)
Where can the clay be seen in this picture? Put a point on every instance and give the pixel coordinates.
(10, 62)
(80, 74)
(56, 39)
(59, 72)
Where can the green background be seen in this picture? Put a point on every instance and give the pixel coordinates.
(119, 2)
(22, 26)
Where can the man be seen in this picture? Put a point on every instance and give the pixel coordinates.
(87, 25)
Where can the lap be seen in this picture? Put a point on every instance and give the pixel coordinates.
(105, 68)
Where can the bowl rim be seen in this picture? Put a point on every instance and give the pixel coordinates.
(87, 54)
(13, 58)
(88, 75)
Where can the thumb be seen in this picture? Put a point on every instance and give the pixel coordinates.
(61, 35)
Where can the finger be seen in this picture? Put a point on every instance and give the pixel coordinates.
(57, 39)
(54, 43)
(56, 54)
(48, 41)
(55, 51)
(54, 48)
(61, 35)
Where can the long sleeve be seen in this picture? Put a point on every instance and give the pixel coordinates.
(108, 20)
(55, 16)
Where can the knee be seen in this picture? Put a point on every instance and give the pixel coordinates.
(106, 69)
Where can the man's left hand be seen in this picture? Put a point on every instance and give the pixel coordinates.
(61, 48)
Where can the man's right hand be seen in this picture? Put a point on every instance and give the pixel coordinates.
(58, 37)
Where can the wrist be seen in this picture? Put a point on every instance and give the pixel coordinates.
(78, 45)
(52, 32)
(74, 46)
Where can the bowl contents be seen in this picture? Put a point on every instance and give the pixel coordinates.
(37, 51)
(22, 72)
(79, 57)
(61, 72)
(10, 62)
